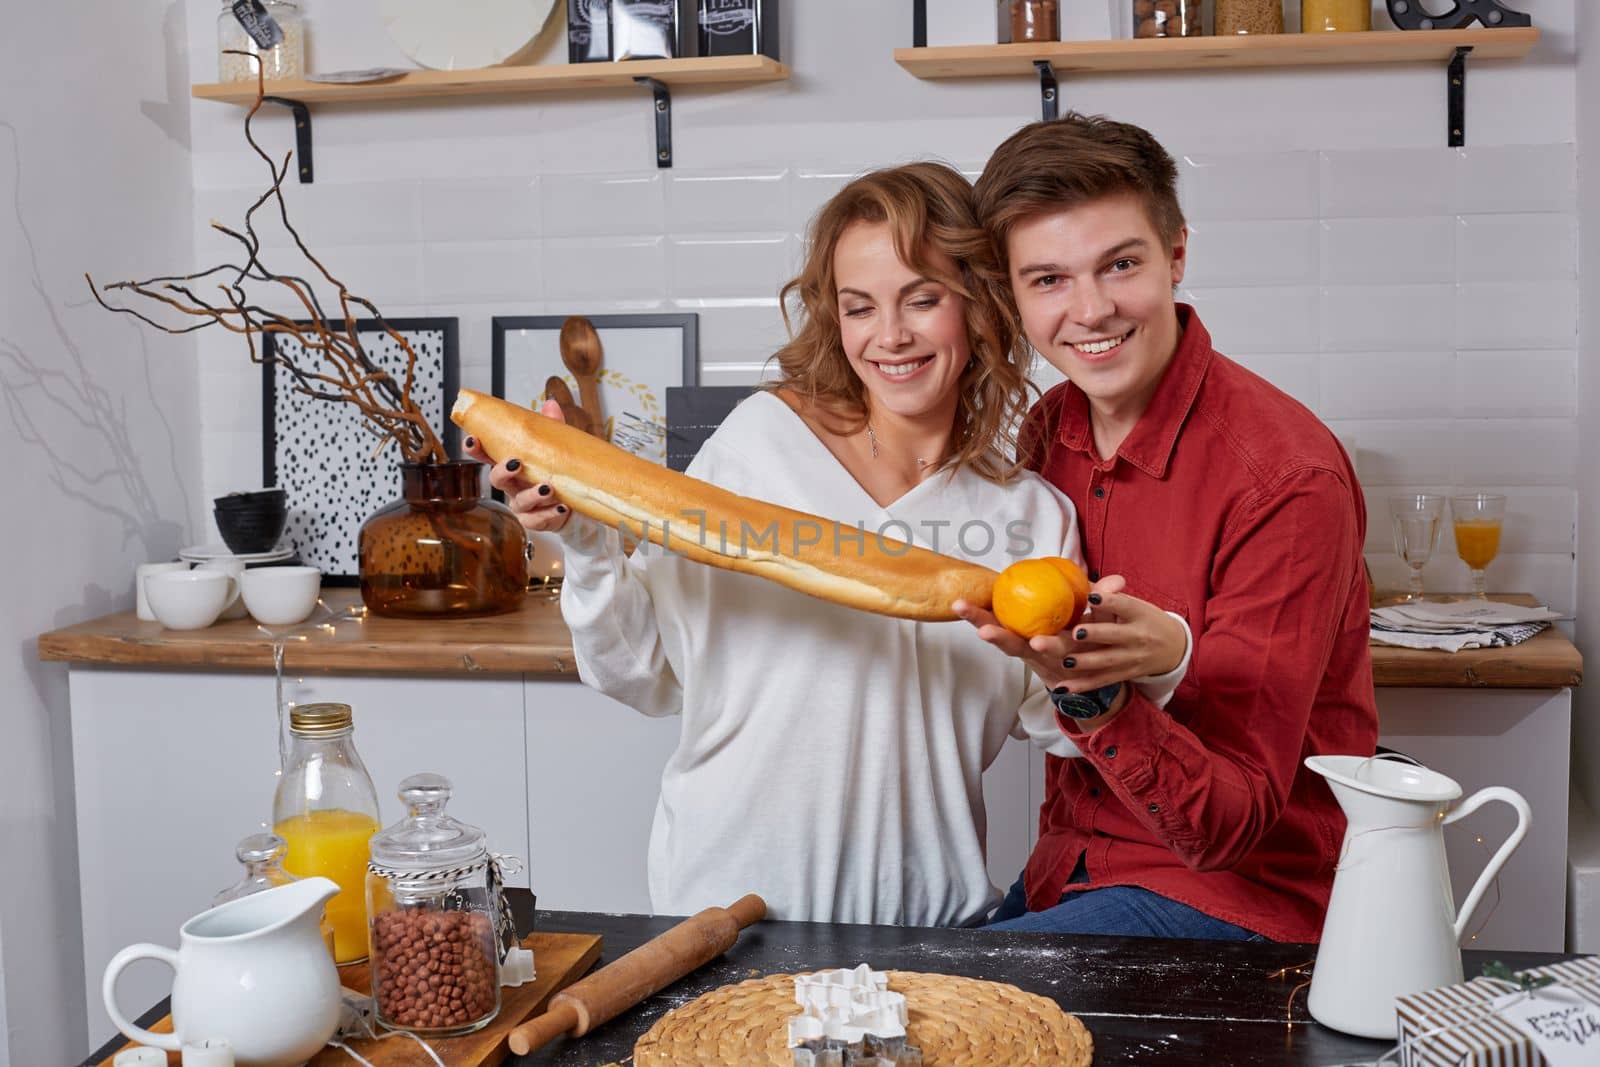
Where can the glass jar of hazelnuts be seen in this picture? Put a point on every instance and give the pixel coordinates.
(432, 905)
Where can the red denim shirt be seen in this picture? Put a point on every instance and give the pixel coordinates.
(1232, 505)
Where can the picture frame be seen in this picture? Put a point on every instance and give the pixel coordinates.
(322, 453)
(644, 356)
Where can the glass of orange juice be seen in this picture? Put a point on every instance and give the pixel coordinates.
(1477, 518)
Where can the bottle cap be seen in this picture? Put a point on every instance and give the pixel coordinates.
(310, 720)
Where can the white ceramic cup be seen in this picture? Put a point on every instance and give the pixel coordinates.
(189, 600)
(235, 608)
(281, 596)
(141, 603)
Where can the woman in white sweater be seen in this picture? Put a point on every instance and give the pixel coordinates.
(832, 760)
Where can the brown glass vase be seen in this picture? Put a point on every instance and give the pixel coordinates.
(442, 549)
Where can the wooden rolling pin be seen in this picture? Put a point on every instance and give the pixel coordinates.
(616, 987)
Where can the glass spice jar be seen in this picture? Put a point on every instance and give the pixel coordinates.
(1239, 17)
(286, 59)
(261, 856)
(1034, 20)
(1167, 18)
(1335, 16)
(433, 900)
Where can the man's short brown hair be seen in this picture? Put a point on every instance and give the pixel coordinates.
(1064, 163)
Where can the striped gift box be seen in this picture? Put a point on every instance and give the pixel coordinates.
(1454, 1027)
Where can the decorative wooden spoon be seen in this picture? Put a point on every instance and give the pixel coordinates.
(556, 389)
(581, 352)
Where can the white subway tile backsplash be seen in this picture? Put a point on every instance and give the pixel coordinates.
(1517, 315)
(1511, 383)
(1388, 318)
(747, 333)
(1294, 374)
(1252, 252)
(387, 275)
(1503, 178)
(605, 268)
(811, 188)
(1266, 319)
(734, 265)
(1355, 385)
(357, 213)
(1514, 451)
(484, 209)
(470, 271)
(603, 204)
(1521, 248)
(1373, 251)
(715, 201)
(1248, 185)
(1400, 451)
(1388, 182)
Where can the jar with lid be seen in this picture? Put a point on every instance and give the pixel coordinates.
(326, 809)
(1239, 17)
(261, 856)
(286, 59)
(434, 900)
(1335, 16)
(1030, 20)
(1167, 18)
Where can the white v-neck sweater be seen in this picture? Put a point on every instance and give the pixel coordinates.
(830, 759)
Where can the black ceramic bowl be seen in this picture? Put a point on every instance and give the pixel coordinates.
(263, 499)
(248, 532)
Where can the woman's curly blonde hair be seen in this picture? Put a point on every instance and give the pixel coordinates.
(928, 208)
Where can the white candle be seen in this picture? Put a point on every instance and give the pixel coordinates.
(211, 1053)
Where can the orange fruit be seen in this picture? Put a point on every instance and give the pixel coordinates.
(1038, 597)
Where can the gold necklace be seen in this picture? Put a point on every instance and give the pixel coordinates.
(872, 440)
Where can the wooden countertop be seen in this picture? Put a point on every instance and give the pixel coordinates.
(534, 641)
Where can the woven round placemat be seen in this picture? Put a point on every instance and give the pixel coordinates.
(957, 1022)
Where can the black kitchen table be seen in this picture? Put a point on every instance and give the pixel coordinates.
(1147, 1001)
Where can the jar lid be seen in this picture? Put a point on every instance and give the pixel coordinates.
(426, 838)
(259, 848)
(315, 720)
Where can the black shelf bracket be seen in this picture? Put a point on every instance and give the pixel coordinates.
(302, 134)
(919, 23)
(1456, 98)
(1049, 91)
(663, 97)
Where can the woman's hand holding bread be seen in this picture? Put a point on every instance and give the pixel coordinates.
(536, 506)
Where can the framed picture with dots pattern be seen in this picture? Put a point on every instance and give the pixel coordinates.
(642, 356)
(325, 455)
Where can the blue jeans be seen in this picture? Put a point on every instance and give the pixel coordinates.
(1124, 910)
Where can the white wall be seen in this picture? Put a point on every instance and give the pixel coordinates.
(1586, 705)
(99, 426)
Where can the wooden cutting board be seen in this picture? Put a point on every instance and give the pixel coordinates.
(560, 959)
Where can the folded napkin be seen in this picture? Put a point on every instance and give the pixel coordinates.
(1461, 624)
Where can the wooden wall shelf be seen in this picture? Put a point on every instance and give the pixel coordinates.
(1049, 58)
(1216, 53)
(509, 81)
(658, 75)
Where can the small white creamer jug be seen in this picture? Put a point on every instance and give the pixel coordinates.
(1392, 928)
(254, 972)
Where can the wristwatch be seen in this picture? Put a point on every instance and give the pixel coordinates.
(1085, 705)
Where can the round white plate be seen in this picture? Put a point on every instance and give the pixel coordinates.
(206, 553)
(464, 34)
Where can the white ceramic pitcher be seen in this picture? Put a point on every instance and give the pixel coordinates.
(1392, 927)
(254, 972)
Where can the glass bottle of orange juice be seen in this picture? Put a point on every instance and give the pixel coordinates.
(326, 809)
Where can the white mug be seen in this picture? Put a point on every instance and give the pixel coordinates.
(189, 600)
(141, 603)
(281, 596)
(235, 608)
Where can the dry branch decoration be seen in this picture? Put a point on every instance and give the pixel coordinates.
(334, 365)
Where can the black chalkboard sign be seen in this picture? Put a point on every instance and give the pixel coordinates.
(738, 27)
(693, 414)
(588, 31)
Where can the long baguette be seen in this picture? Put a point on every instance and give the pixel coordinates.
(842, 564)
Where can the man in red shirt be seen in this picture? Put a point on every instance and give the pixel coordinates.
(1209, 493)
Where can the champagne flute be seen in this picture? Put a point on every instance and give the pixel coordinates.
(1478, 518)
(1416, 533)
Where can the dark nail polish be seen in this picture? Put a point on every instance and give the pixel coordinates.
(561, 509)
(1081, 635)
(1094, 598)
(1059, 691)
(1069, 663)
(544, 490)
(471, 442)
(513, 464)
